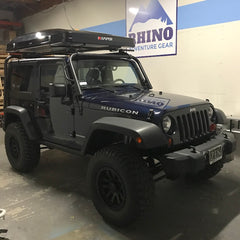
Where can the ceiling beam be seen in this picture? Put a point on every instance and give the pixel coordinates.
(24, 8)
(20, 1)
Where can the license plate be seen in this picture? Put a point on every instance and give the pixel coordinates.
(215, 154)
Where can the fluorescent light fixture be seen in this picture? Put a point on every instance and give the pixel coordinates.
(133, 10)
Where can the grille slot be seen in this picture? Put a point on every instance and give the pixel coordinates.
(193, 125)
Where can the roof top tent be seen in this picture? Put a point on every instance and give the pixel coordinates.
(61, 41)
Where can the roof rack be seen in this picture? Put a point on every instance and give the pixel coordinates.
(62, 41)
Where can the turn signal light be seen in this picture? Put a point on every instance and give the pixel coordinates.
(212, 127)
(138, 140)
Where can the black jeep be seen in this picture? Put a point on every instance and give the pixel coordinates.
(59, 95)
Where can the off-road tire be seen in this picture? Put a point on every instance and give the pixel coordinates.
(23, 154)
(121, 171)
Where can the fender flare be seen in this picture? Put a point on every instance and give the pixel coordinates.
(221, 117)
(151, 134)
(22, 114)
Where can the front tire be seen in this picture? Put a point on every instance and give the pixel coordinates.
(120, 184)
(23, 154)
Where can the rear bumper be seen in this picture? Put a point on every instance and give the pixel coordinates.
(192, 160)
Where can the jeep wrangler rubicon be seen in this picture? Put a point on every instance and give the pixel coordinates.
(59, 95)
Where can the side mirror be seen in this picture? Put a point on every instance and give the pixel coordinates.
(57, 89)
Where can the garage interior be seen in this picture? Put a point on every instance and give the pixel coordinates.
(53, 201)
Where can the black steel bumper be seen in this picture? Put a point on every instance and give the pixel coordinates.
(192, 160)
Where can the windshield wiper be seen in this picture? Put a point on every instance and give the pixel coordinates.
(99, 87)
(129, 85)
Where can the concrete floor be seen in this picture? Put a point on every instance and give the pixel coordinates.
(53, 203)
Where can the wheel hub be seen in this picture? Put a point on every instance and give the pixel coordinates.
(111, 188)
(14, 146)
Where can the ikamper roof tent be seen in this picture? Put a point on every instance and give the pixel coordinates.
(61, 41)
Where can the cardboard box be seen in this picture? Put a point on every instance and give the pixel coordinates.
(11, 35)
(3, 48)
(8, 35)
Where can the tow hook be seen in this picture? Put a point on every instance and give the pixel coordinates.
(193, 149)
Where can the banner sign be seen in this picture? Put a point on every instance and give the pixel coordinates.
(153, 25)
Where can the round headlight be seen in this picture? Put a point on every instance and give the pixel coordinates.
(166, 123)
(210, 112)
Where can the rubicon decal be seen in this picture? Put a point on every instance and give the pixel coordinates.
(119, 110)
(152, 23)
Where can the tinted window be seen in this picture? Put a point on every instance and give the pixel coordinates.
(51, 73)
(47, 75)
(20, 77)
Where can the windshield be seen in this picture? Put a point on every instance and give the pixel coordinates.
(106, 72)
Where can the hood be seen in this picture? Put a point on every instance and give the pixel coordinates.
(140, 105)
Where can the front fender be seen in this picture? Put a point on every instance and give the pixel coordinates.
(151, 134)
(221, 117)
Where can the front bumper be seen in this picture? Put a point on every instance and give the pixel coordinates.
(192, 160)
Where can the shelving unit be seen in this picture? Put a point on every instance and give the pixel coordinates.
(10, 24)
(9, 33)
(3, 55)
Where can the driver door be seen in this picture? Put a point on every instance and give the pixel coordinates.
(59, 114)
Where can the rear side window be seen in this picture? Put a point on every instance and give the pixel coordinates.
(20, 77)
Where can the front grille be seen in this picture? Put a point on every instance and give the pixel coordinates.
(193, 125)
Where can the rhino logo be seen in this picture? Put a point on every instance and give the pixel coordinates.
(153, 11)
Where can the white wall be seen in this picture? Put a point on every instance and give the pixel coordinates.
(206, 65)
(80, 14)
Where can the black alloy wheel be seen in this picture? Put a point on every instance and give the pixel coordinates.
(111, 188)
(14, 148)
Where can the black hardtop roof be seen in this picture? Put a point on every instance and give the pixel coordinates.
(62, 41)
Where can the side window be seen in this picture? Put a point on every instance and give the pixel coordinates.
(59, 75)
(47, 73)
(20, 77)
(51, 73)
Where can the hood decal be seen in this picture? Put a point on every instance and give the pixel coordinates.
(154, 101)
